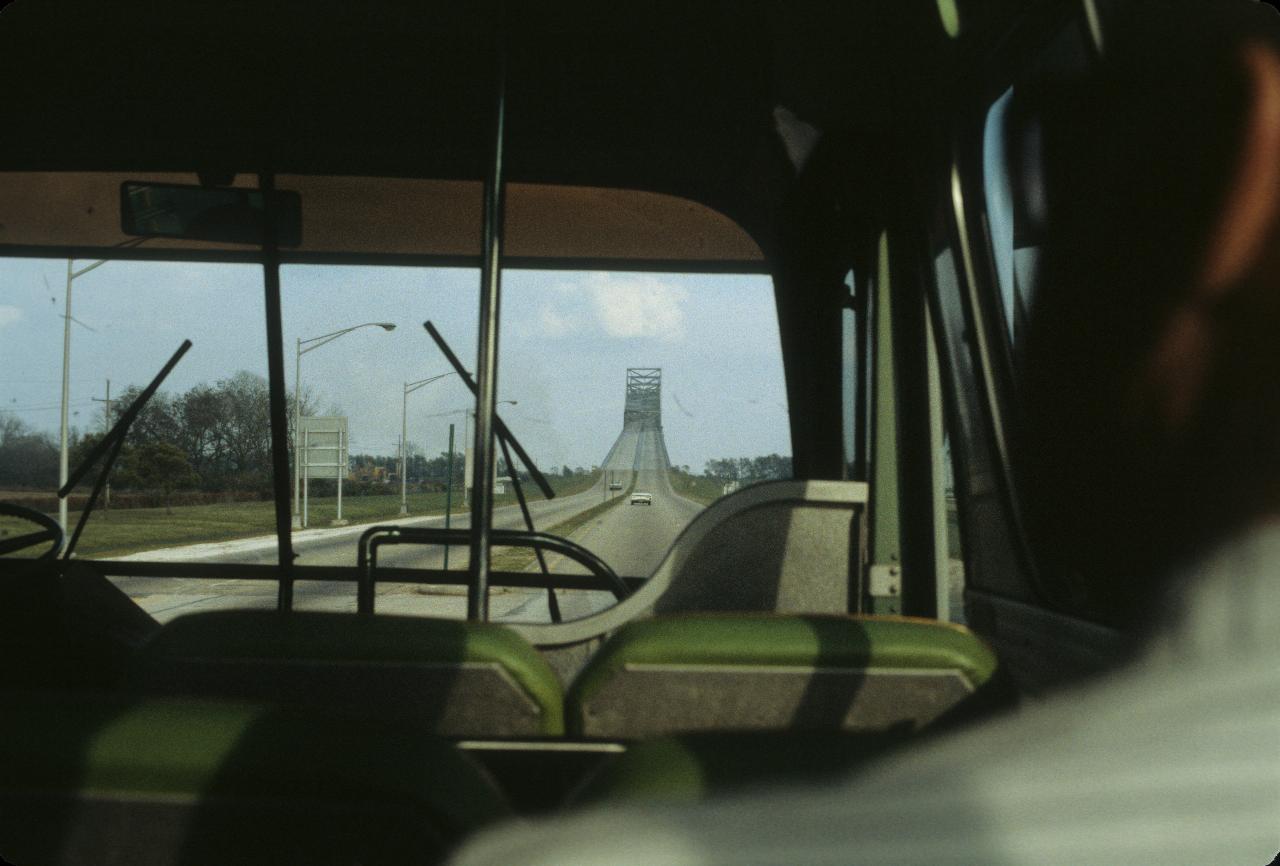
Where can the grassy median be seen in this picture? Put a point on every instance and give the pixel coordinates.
(123, 531)
(699, 488)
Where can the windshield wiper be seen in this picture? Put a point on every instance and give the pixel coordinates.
(500, 428)
(504, 436)
(113, 442)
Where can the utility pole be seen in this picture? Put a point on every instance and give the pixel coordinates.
(466, 458)
(448, 496)
(106, 428)
(404, 469)
(72, 274)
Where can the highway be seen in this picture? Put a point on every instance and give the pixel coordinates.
(631, 538)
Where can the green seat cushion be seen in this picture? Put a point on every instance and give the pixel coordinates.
(314, 645)
(159, 770)
(748, 649)
(691, 767)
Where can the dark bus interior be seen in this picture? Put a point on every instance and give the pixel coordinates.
(794, 628)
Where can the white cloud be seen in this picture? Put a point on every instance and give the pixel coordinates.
(624, 306)
(637, 305)
(558, 323)
(9, 315)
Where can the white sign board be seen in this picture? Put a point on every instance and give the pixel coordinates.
(324, 447)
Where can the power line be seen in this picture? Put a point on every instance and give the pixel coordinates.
(46, 381)
(48, 408)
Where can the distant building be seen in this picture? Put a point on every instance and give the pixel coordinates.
(371, 473)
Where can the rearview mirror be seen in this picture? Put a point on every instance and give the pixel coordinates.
(200, 213)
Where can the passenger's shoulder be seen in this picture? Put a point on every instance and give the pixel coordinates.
(1223, 605)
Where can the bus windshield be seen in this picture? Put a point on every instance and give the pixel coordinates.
(642, 397)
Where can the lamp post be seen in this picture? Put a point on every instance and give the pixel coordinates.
(409, 388)
(310, 344)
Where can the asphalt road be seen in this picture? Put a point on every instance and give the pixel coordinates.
(631, 538)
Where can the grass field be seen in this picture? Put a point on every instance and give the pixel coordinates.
(124, 531)
(696, 487)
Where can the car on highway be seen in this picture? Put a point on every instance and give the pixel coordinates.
(638, 498)
(615, 485)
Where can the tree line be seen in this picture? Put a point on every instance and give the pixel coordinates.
(745, 470)
(212, 437)
(434, 470)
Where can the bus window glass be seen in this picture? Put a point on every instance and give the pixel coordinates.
(617, 385)
(366, 375)
(1014, 207)
(650, 395)
(194, 479)
(1017, 216)
(1015, 200)
(954, 551)
(1000, 204)
(642, 397)
(991, 566)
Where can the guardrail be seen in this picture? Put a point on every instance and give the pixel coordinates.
(380, 536)
(329, 573)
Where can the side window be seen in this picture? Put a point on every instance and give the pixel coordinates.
(194, 477)
(989, 562)
(1015, 213)
(1016, 206)
(1010, 197)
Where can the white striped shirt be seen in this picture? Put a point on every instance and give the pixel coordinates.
(1173, 760)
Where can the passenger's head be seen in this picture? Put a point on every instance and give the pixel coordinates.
(1152, 387)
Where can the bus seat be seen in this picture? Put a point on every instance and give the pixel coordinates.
(687, 768)
(790, 546)
(456, 678)
(67, 627)
(95, 780)
(767, 672)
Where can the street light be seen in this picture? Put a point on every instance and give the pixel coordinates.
(312, 343)
(409, 388)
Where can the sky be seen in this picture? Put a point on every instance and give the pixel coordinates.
(567, 339)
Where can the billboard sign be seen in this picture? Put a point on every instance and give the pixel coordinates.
(324, 447)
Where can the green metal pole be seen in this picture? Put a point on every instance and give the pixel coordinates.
(448, 496)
